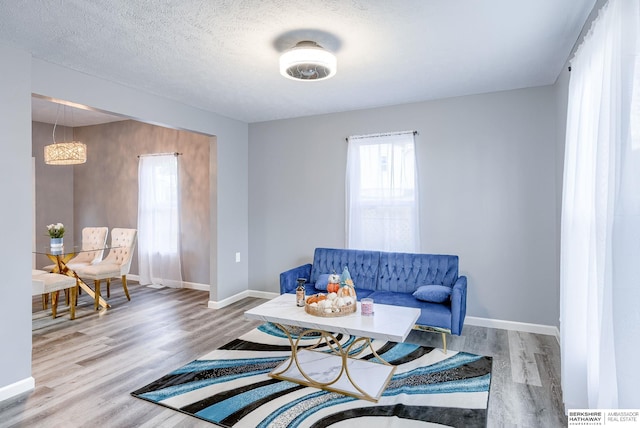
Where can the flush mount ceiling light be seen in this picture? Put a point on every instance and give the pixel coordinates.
(308, 61)
(65, 153)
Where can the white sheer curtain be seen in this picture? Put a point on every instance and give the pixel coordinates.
(600, 237)
(382, 193)
(159, 220)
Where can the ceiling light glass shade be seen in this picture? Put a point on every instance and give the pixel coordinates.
(308, 61)
(69, 153)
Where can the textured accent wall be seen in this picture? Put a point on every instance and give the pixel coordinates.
(104, 191)
(106, 187)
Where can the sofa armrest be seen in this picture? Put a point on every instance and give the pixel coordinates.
(288, 278)
(458, 305)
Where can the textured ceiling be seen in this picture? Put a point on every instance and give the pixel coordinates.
(222, 55)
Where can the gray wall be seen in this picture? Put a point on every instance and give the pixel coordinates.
(106, 186)
(17, 220)
(562, 92)
(54, 188)
(488, 193)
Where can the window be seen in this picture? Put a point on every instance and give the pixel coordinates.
(382, 193)
(158, 220)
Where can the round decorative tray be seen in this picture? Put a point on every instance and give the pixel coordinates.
(320, 310)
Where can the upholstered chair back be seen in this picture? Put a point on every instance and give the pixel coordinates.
(93, 238)
(123, 242)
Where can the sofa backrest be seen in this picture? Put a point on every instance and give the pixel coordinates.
(363, 265)
(405, 272)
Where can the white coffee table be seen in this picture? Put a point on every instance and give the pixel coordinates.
(337, 371)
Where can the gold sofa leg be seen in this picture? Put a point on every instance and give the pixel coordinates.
(442, 331)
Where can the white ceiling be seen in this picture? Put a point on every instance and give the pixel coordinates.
(222, 55)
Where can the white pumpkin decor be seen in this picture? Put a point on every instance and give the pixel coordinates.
(340, 298)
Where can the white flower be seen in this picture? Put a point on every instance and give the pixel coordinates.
(56, 230)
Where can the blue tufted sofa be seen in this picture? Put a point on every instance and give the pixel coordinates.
(391, 278)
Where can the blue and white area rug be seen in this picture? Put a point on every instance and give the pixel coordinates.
(231, 387)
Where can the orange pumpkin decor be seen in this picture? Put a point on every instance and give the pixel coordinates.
(334, 283)
(333, 287)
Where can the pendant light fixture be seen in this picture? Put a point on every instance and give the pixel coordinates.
(67, 152)
(308, 61)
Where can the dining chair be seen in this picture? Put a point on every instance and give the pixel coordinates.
(116, 264)
(45, 283)
(45, 296)
(93, 239)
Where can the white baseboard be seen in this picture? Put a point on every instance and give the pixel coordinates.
(548, 330)
(179, 284)
(196, 286)
(17, 388)
(247, 293)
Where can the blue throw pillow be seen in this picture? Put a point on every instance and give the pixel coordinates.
(322, 282)
(433, 293)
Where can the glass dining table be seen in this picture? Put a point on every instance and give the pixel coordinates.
(60, 256)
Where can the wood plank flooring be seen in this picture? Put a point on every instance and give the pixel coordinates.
(86, 368)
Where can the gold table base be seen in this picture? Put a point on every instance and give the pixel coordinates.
(335, 350)
(61, 267)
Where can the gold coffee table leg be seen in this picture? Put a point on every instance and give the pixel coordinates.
(336, 349)
(293, 345)
(294, 355)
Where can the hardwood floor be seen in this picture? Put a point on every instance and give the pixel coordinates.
(85, 369)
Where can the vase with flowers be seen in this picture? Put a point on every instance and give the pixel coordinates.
(56, 233)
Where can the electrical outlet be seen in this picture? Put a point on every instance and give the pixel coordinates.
(238, 257)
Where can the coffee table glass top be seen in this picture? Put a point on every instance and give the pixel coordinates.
(392, 323)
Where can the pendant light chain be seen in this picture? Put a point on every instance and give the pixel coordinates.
(64, 153)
